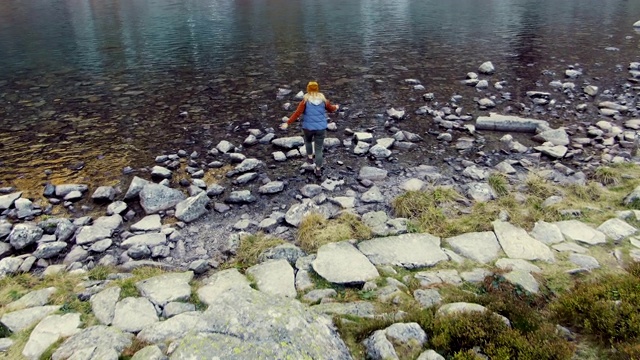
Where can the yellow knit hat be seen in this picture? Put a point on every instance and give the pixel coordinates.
(312, 86)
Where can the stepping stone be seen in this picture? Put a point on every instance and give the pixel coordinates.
(23, 319)
(274, 277)
(571, 247)
(428, 278)
(547, 233)
(410, 251)
(463, 307)
(342, 263)
(517, 244)
(584, 261)
(524, 279)
(32, 299)
(482, 247)
(48, 331)
(617, 229)
(578, 231)
(133, 314)
(517, 264)
(166, 288)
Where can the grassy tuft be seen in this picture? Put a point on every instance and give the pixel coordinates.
(136, 345)
(607, 175)
(315, 231)
(251, 246)
(100, 272)
(499, 184)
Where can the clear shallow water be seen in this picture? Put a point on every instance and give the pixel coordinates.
(103, 82)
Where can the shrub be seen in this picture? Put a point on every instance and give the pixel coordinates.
(606, 309)
(461, 332)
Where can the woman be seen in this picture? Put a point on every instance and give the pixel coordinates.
(314, 106)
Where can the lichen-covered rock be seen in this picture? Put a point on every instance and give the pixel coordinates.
(96, 342)
(156, 197)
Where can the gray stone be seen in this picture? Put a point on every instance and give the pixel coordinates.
(547, 233)
(151, 352)
(497, 122)
(362, 309)
(17, 321)
(5, 344)
(462, 307)
(487, 68)
(192, 208)
(6, 201)
(150, 239)
(148, 223)
(311, 190)
(554, 136)
(517, 244)
(117, 207)
(584, 261)
(32, 299)
(412, 185)
(161, 172)
(361, 148)
(252, 324)
(379, 151)
(64, 189)
(271, 187)
(64, 230)
(482, 247)
(524, 279)
(372, 173)
(48, 331)
(429, 278)
(344, 202)
(241, 197)
(617, 229)
(9, 265)
(315, 296)
(224, 146)
(155, 198)
(49, 249)
(102, 228)
(104, 193)
(274, 277)
(554, 151)
(174, 328)
(135, 187)
(103, 304)
(476, 275)
(134, 314)
(96, 342)
(581, 232)
(289, 142)
(410, 251)
(245, 178)
(297, 212)
(199, 266)
(378, 347)
(221, 282)
(571, 247)
(214, 190)
(77, 254)
(138, 252)
(25, 234)
(372, 195)
(166, 288)
(517, 264)
(430, 355)
(427, 297)
(175, 308)
(342, 263)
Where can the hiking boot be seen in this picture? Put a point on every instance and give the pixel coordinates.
(317, 172)
(309, 160)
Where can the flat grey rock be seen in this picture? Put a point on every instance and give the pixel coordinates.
(342, 263)
(103, 304)
(133, 314)
(149, 239)
(221, 282)
(24, 234)
(274, 277)
(20, 320)
(524, 279)
(462, 307)
(151, 352)
(174, 328)
(192, 208)
(616, 229)
(362, 309)
(148, 223)
(427, 297)
(547, 233)
(6, 201)
(430, 278)
(517, 244)
(408, 250)
(166, 288)
(96, 342)
(571, 247)
(517, 264)
(48, 331)
(584, 261)
(482, 247)
(34, 298)
(577, 231)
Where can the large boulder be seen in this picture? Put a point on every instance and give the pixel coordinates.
(247, 324)
(155, 197)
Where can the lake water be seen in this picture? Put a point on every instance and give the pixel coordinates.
(100, 84)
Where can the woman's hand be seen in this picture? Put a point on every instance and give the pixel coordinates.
(284, 126)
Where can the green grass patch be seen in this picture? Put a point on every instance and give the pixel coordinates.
(100, 272)
(315, 231)
(499, 184)
(607, 309)
(128, 285)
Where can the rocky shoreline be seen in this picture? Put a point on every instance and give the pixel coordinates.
(180, 217)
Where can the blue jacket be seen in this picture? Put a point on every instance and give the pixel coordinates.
(315, 116)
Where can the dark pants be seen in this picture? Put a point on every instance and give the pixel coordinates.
(317, 137)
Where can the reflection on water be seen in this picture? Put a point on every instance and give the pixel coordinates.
(98, 81)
